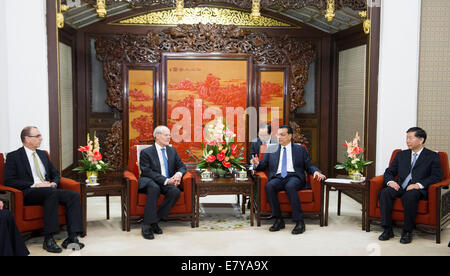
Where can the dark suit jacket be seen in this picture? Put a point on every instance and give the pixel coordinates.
(151, 168)
(18, 173)
(300, 160)
(256, 145)
(426, 171)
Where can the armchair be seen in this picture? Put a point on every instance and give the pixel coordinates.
(31, 218)
(135, 202)
(311, 199)
(433, 214)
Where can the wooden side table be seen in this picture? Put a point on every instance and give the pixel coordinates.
(111, 184)
(222, 186)
(357, 191)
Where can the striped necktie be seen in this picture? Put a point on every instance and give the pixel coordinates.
(284, 163)
(36, 166)
(409, 177)
(166, 164)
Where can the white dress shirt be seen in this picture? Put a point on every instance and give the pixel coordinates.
(290, 164)
(36, 178)
(161, 162)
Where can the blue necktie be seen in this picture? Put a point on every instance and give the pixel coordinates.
(166, 164)
(284, 163)
(409, 177)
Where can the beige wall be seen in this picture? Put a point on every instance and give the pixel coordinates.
(65, 59)
(434, 74)
(351, 97)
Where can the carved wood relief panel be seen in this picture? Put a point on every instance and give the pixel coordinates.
(275, 4)
(118, 50)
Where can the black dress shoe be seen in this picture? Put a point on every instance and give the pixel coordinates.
(156, 229)
(72, 243)
(147, 232)
(406, 237)
(386, 235)
(299, 228)
(277, 226)
(51, 246)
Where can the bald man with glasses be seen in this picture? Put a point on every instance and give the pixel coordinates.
(29, 169)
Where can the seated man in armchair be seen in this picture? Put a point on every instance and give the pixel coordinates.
(417, 168)
(29, 169)
(161, 173)
(287, 168)
(11, 242)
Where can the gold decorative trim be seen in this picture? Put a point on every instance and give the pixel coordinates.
(330, 10)
(366, 23)
(204, 15)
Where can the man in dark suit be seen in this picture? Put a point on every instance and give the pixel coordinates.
(287, 168)
(417, 168)
(11, 242)
(161, 173)
(264, 138)
(30, 170)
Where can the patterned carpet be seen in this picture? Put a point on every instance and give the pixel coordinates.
(223, 218)
(226, 232)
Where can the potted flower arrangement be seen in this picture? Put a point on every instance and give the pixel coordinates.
(92, 162)
(220, 153)
(354, 162)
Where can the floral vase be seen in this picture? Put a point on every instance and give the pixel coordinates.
(351, 172)
(92, 177)
(355, 175)
(219, 172)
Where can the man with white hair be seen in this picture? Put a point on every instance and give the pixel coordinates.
(161, 173)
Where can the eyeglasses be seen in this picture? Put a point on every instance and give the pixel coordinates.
(35, 136)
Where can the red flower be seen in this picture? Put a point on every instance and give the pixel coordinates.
(233, 149)
(86, 148)
(358, 150)
(211, 158)
(226, 164)
(220, 156)
(98, 156)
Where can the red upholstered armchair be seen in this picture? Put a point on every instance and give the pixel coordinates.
(432, 214)
(30, 218)
(136, 201)
(311, 199)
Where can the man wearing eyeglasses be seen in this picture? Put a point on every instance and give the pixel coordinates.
(30, 170)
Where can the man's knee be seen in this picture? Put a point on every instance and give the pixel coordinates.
(293, 185)
(174, 193)
(386, 192)
(271, 186)
(411, 196)
(72, 194)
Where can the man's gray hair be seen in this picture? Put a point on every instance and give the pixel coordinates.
(26, 132)
(160, 129)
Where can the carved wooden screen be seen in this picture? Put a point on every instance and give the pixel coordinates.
(261, 49)
(201, 88)
(141, 88)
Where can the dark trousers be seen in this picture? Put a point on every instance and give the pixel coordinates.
(50, 199)
(11, 242)
(291, 184)
(171, 194)
(410, 201)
